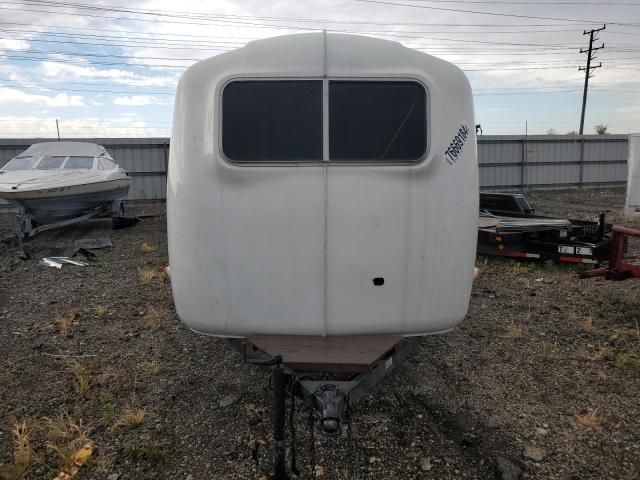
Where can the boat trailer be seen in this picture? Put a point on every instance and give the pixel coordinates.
(328, 374)
(27, 227)
(622, 265)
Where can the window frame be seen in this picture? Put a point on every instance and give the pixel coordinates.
(326, 161)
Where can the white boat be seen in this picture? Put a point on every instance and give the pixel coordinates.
(56, 181)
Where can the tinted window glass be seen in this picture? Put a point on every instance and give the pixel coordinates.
(19, 163)
(267, 121)
(50, 163)
(79, 162)
(377, 121)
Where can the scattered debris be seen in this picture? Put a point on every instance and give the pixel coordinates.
(425, 464)
(57, 262)
(542, 432)
(79, 459)
(535, 453)
(507, 470)
(88, 254)
(92, 243)
(124, 222)
(229, 400)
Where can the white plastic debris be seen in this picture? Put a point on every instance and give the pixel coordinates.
(57, 262)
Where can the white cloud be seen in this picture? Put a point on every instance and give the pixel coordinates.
(13, 96)
(134, 100)
(40, 126)
(69, 73)
(13, 44)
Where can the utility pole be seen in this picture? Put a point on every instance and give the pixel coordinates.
(593, 35)
(58, 129)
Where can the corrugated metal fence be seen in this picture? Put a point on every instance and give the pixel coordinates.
(508, 162)
(552, 161)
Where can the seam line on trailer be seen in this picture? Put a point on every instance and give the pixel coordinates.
(325, 156)
(324, 253)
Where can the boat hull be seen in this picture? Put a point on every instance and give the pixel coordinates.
(47, 206)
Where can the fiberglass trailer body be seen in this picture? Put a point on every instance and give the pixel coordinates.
(632, 204)
(322, 185)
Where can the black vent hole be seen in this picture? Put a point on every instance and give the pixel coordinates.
(378, 281)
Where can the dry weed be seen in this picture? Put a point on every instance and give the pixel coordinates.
(152, 367)
(513, 332)
(589, 419)
(155, 316)
(69, 441)
(22, 452)
(130, 417)
(64, 321)
(587, 324)
(604, 353)
(625, 336)
(630, 361)
(547, 352)
(81, 377)
(146, 248)
(100, 310)
(147, 275)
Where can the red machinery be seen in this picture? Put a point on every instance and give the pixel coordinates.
(619, 268)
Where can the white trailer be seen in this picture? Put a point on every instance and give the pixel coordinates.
(322, 206)
(322, 185)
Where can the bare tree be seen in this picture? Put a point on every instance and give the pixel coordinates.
(601, 129)
(551, 131)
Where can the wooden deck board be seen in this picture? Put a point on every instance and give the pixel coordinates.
(355, 353)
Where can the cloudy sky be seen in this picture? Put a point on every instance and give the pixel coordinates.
(110, 68)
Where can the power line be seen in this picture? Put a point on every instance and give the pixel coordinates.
(496, 14)
(230, 21)
(74, 90)
(502, 2)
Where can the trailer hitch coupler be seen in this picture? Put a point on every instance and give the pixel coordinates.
(332, 405)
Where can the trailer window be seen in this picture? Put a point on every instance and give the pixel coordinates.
(377, 121)
(272, 121)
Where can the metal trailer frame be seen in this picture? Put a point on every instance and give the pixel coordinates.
(26, 225)
(328, 398)
(618, 269)
(585, 242)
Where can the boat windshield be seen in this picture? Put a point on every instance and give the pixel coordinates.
(19, 163)
(79, 162)
(51, 163)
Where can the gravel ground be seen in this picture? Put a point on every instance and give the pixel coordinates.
(541, 380)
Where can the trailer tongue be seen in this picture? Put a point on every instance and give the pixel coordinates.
(623, 263)
(327, 373)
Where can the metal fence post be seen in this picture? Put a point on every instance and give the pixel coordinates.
(581, 178)
(523, 162)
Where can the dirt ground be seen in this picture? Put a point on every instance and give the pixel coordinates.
(541, 380)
